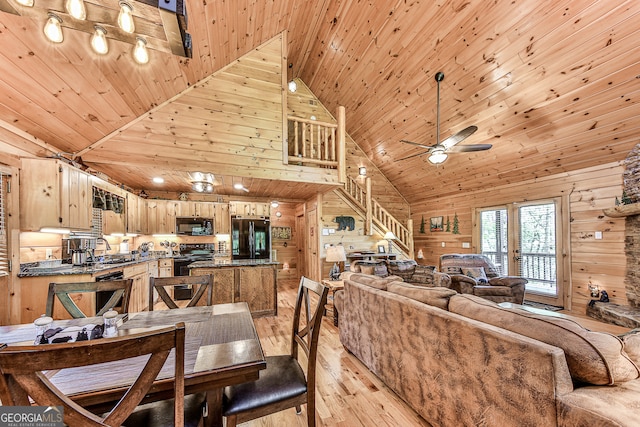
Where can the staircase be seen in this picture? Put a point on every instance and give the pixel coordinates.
(376, 217)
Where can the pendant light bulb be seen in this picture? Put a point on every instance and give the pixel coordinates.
(99, 40)
(76, 9)
(52, 29)
(140, 52)
(26, 3)
(125, 18)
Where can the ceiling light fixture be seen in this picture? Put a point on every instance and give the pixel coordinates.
(239, 186)
(99, 40)
(159, 25)
(201, 182)
(52, 29)
(140, 52)
(438, 156)
(158, 180)
(125, 17)
(362, 171)
(76, 9)
(275, 204)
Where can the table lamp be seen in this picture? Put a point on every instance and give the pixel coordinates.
(335, 254)
(389, 237)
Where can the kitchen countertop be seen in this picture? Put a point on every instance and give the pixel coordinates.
(232, 263)
(32, 270)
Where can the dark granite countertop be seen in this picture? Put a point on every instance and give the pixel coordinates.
(232, 263)
(32, 269)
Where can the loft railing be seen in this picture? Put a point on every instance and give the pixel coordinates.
(316, 143)
(374, 212)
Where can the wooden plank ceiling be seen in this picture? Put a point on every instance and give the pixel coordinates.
(552, 84)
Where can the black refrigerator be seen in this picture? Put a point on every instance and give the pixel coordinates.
(250, 238)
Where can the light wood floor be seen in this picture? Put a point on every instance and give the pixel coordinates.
(348, 394)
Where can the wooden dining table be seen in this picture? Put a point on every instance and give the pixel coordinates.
(221, 348)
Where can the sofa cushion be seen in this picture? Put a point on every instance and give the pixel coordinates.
(437, 297)
(592, 357)
(373, 281)
(476, 273)
(402, 268)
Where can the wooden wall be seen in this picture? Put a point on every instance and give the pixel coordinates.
(589, 191)
(303, 103)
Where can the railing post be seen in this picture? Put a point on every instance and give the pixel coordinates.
(341, 146)
(368, 229)
(410, 238)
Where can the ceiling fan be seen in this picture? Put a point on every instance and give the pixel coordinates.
(438, 153)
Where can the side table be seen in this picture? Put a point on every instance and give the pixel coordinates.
(333, 286)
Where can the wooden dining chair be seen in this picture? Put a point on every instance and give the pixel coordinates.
(23, 378)
(282, 384)
(121, 291)
(202, 284)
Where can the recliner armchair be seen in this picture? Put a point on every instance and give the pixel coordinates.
(475, 274)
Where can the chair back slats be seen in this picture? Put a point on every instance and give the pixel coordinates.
(203, 283)
(306, 330)
(22, 372)
(63, 293)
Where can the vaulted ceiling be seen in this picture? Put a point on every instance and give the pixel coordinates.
(553, 85)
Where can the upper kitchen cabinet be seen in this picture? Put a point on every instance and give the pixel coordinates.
(196, 209)
(54, 194)
(161, 215)
(222, 220)
(136, 215)
(250, 209)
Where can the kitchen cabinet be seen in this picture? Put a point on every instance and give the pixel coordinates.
(250, 209)
(33, 297)
(136, 211)
(165, 267)
(222, 220)
(161, 215)
(255, 285)
(139, 273)
(196, 209)
(54, 194)
(113, 223)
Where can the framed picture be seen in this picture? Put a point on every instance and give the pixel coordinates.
(281, 233)
(381, 249)
(436, 223)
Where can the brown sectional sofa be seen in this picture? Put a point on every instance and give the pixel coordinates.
(461, 360)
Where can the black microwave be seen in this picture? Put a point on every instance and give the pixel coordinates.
(190, 226)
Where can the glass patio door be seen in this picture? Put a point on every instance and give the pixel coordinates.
(524, 239)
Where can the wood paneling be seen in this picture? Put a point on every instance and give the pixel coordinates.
(589, 190)
(551, 84)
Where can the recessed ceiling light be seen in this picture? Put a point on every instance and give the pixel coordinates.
(158, 180)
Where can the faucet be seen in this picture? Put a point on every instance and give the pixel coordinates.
(108, 246)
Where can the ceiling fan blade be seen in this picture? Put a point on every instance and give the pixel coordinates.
(426, 147)
(459, 137)
(467, 148)
(413, 155)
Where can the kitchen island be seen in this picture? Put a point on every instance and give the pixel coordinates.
(250, 281)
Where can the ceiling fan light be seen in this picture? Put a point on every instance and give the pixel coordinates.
(52, 29)
(125, 17)
(437, 157)
(198, 187)
(76, 9)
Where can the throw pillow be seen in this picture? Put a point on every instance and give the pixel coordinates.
(437, 297)
(592, 357)
(380, 270)
(368, 269)
(476, 273)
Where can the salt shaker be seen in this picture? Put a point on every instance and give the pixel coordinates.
(110, 324)
(42, 324)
